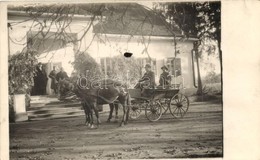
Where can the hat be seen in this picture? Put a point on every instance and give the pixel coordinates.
(147, 66)
(164, 67)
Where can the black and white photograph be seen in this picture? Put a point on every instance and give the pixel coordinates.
(115, 80)
(132, 80)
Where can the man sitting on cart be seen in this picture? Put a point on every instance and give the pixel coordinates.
(165, 78)
(147, 82)
(148, 79)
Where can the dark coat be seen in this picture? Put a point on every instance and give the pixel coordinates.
(54, 82)
(61, 75)
(40, 81)
(165, 79)
(148, 80)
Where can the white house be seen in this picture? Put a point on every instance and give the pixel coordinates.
(139, 31)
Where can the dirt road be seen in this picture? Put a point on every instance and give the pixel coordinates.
(198, 134)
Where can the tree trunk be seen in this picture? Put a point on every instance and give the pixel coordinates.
(199, 91)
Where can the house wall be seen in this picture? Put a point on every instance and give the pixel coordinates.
(166, 49)
(159, 49)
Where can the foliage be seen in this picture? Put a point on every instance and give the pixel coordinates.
(84, 65)
(212, 77)
(200, 19)
(212, 89)
(127, 70)
(21, 67)
(209, 16)
(212, 84)
(180, 15)
(122, 69)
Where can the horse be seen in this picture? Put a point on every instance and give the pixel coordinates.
(113, 106)
(88, 115)
(87, 109)
(107, 91)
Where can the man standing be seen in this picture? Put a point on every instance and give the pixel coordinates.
(54, 82)
(148, 79)
(61, 75)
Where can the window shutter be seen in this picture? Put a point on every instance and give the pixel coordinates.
(174, 65)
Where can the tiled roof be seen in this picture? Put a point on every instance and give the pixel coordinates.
(134, 19)
(120, 18)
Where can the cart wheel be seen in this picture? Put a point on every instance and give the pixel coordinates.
(179, 105)
(135, 111)
(153, 111)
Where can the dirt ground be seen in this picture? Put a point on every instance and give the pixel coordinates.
(198, 134)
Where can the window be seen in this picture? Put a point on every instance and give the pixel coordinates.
(109, 64)
(174, 65)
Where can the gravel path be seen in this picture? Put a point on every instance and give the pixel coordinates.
(198, 134)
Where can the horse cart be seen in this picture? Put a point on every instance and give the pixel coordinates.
(156, 102)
